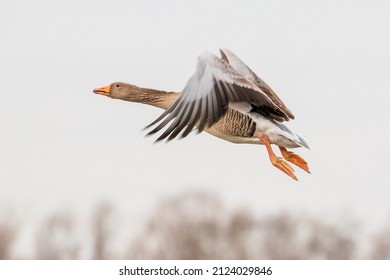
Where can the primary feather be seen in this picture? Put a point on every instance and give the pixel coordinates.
(214, 86)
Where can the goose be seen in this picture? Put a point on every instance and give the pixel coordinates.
(225, 98)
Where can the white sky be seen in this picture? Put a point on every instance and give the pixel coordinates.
(61, 146)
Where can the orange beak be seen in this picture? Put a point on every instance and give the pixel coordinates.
(103, 90)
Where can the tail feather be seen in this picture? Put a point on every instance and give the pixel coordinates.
(295, 137)
(303, 142)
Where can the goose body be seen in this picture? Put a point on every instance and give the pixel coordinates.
(225, 98)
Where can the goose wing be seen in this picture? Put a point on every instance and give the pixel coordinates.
(245, 71)
(207, 95)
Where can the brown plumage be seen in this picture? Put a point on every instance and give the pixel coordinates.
(235, 62)
(225, 98)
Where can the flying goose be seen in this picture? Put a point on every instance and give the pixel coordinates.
(225, 98)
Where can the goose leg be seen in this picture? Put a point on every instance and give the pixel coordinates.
(277, 161)
(294, 159)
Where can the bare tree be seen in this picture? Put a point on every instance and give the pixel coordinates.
(287, 237)
(197, 226)
(101, 232)
(193, 226)
(7, 236)
(55, 239)
(381, 245)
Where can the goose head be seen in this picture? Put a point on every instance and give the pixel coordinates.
(119, 90)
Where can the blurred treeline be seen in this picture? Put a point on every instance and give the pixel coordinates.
(198, 226)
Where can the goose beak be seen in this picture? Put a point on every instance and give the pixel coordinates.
(103, 90)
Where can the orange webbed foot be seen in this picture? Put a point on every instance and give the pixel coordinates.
(294, 159)
(277, 161)
(284, 166)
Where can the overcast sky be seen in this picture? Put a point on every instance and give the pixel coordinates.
(61, 146)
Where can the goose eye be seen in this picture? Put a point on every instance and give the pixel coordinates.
(117, 86)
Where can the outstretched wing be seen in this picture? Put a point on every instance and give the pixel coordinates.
(245, 71)
(207, 95)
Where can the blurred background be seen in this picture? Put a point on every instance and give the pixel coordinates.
(78, 179)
